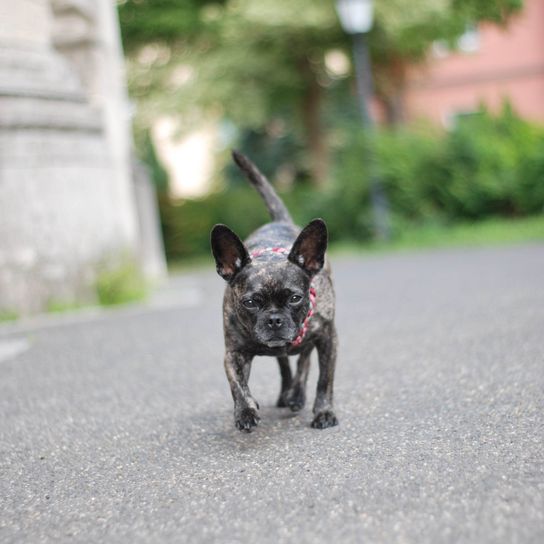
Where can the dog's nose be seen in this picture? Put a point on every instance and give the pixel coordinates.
(275, 322)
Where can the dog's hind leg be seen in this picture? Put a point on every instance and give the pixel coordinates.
(286, 379)
(323, 408)
(296, 396)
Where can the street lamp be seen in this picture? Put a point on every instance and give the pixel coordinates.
(356, 17)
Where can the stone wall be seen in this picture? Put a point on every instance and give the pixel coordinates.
(66, 193)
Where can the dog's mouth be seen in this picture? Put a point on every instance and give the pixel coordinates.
(276, 343)
(276, 339)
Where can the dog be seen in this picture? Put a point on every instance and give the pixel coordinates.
(279, 301)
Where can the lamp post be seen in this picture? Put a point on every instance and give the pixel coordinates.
(356, 17)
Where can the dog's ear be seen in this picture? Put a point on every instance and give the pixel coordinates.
(309, 248)
(229, 252)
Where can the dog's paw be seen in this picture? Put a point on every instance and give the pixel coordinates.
(282, 401)
(295, 399)
(247, 419)
(325, 419)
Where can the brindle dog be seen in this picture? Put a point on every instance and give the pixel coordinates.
(279, 301)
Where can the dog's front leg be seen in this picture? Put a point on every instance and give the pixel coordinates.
(238, 367)
(324, 415)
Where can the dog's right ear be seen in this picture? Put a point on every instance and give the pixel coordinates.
(309, 248)
(229, 252)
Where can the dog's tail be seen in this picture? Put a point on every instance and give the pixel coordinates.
(273, 202)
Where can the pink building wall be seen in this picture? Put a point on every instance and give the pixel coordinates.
(509, 62)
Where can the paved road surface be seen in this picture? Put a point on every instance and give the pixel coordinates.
(118, 428)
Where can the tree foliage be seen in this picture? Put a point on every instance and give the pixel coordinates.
(251, 50)
(254, 61)
(248, 57)
(167, 21)
(487, 166)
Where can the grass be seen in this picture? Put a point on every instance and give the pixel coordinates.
(482, 233)
(61, 306)
(8, 315)
(490, 232)
(121, 284)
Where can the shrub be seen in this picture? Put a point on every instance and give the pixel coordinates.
(8, 315)
(120, 283)
(478, 172)
(486, 166)
(529, 191)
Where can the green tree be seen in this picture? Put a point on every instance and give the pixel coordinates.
(253, 62)
(259, 61)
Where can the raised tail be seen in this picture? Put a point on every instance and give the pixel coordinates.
(273, 202)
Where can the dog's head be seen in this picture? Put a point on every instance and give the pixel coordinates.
(271, 289)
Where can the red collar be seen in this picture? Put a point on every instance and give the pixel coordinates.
(261, 251)
(305, 324)
(313, 293)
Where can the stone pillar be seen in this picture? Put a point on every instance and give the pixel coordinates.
(151, 246)
(87, 33)
(64, 206)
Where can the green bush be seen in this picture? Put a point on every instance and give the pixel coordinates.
(402, 161)
(187, 224)
(120, 283)
(487, 166)
(479, 172)
(8, 315)
(529, 190)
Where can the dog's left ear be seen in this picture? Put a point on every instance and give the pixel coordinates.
(309, 248)
(229, 252)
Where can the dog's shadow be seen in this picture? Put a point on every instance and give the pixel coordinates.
(211, 433)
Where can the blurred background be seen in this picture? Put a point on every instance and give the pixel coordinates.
(403, 123)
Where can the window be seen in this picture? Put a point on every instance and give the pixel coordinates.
(468, 42)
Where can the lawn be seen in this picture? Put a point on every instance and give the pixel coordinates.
(481, 233)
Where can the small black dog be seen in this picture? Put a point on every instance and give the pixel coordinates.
(279, 301)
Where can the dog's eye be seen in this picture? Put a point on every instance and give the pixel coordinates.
(250, 304)
(295, 299)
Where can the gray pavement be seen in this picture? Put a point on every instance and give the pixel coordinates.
(117, 427)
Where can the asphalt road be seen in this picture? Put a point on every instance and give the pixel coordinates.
(118, 427)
